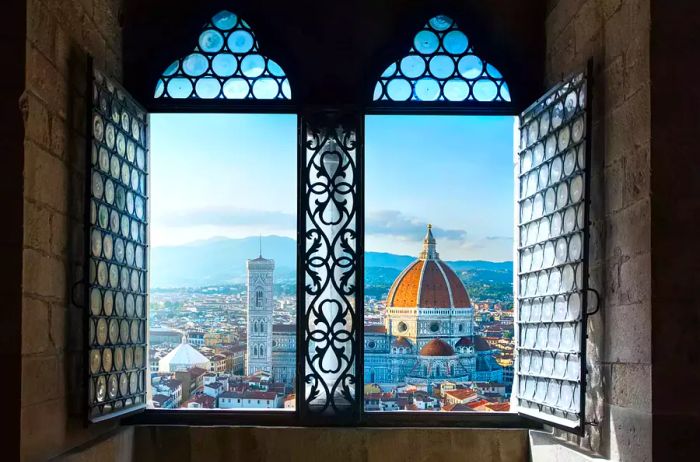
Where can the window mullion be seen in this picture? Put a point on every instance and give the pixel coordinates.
(329, 273)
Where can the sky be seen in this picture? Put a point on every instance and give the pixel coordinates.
(234, 175)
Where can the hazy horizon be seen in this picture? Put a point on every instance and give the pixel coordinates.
(223, 175)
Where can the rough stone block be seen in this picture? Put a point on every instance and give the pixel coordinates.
(629, 232)
(613, 188)
(587, 24)
(630, 435)
(37, 227)
(44, 276)
(37, 127)
(637, 181)
(45, 177)
(44, 80)
(36, 337)
(635, 280)
(629, 386)
(40, 379)
(628, 333)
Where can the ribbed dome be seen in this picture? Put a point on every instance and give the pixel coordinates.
(437, 347)
(464, 342)
(428, 282)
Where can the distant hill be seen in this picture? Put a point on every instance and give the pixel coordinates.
(221, 260)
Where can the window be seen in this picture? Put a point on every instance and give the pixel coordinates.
(226, 64)
(440, 73)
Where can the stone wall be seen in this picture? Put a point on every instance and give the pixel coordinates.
(328, 444)
(60, 34)
(616, 35)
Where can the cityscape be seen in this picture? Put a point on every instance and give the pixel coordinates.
(233, 346)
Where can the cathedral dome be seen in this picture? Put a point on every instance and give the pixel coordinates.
(437, 347)
(428, 282)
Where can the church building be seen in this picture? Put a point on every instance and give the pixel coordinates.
(428, 332)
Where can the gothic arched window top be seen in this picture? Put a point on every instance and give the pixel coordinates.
(441, 66)
(226, 64)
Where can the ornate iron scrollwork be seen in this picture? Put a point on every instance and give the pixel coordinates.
(330, 241)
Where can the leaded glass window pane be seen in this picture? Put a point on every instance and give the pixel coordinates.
(441, 65)
(552, 255)
(117, 265)
(330, 318)
(226, 63)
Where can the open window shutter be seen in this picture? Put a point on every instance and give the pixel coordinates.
(116, 251)
(552, 281)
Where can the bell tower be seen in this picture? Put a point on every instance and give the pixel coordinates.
(259, 314)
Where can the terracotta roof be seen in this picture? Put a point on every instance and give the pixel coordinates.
(477, 403)
(457, 407)
(437, 347)
(499, 407)
(401, 342)
(461, 393)
(428, 282)
(464, 341)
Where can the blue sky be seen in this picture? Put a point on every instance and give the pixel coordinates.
(235, 175)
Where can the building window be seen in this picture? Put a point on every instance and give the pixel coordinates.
(226, 63)
(333, 212)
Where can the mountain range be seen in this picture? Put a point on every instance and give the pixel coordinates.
(221, 260)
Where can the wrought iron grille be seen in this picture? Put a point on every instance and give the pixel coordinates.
(226, 64)
(330, 238)
(441, 66)
(117, 249)
(552, 255)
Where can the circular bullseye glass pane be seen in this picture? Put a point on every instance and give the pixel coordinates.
(101, 388)
(236, 88)
(253, 66)
(224, 64)
(101, 331)
(390, 70)
(195, 64)
(485, 90)
(455, 42)
(426, 42)
(179, 87)
(399, 89)
(265, 88)
(240, 41)
(95, 302)
(412, 66)
(442, 66)
(286, 89)
(427, 89)
(208, 87)
(456, 90)
(440, 22)
(557, 115)
(470, 67)
(493, 72)
(211, 41)
(576, 189)
(224, 20)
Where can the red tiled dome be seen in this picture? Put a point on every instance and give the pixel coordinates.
(428, 283)
(464, 342)
(437, 347)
